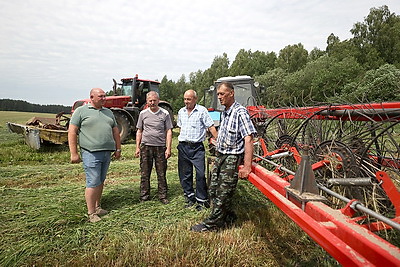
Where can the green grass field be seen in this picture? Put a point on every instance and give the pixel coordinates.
(43, 217)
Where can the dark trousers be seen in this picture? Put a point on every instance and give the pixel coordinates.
(192, 155)
(148, 154)
(224, 179)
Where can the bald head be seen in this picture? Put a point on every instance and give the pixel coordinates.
(97, 97)
(190, 93)
(190, 98)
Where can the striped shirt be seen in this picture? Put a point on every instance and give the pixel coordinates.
(235, 126)
(194, 125)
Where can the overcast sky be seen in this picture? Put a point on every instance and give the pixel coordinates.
(54, 52)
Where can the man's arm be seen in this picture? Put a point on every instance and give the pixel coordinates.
(168, 144)
(138, 141)
(72, 143)
(248, 157)
(213, 131)
(117, 139)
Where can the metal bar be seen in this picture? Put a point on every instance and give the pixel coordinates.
(349, 243)
(350, 181)
(358, 206)
(281, 155)
(276, 165)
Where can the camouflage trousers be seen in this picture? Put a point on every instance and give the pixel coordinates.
(224, 179)
(148, 154)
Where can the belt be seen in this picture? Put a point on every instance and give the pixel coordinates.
(190, 143)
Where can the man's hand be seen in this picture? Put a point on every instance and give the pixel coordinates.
(167, 153)
(137, 152)
(75, 158)
(117, 154)
(244, 172)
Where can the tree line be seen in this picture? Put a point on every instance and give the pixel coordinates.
(364, 68)
(21, 105)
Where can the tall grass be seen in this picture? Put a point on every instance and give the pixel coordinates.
(43, 218)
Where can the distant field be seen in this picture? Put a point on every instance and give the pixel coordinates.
(43, 217)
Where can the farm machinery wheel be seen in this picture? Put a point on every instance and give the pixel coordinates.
(337, 163)
(382, 154)
(278, 135)
(123, 125)
(349, 154)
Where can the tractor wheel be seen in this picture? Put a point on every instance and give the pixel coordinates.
(171, 114)
(123, 125)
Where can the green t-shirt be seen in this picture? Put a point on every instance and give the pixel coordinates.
(95, 128)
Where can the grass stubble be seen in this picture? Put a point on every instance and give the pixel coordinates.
(43, 217)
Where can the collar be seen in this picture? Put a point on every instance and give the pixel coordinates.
(229, 111)
(92, 107)
(195, 108)
(159, 109)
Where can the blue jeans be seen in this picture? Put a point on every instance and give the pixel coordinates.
(96, 166)
(192, 155)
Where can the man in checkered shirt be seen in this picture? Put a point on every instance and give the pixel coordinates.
(234, 144)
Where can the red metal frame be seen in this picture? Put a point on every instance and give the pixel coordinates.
(349, 243)
(375, 111)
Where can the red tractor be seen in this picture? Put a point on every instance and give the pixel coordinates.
(128, 100)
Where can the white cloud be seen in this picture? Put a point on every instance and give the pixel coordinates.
(53, 52)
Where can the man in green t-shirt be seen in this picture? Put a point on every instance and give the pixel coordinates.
(98, 137)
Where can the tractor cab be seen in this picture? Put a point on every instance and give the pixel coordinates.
(137, 89)
(247, 93)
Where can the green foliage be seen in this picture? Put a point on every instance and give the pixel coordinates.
(21, 105)
(330, 76)
(275, 94)
(252, 64)
(378, 37)
(296, 77)
(382, 84)
(292, 58)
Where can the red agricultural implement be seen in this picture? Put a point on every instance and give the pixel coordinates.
(335, 171)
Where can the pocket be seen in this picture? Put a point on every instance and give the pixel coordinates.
(231, 138)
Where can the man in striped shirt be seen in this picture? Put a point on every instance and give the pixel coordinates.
(234, 145)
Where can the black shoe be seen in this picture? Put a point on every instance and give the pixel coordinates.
(202, 206)
(201, 228)
(199, 207)
(230, 219)
(164, 201)
(189, 203)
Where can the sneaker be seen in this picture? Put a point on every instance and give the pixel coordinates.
(201, 228)
(100, 211)
(164, 201)
(94, 218)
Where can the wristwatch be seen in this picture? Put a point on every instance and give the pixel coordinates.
(118, 150)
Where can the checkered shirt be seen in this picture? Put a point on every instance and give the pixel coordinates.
(235, 126)
(194, 125)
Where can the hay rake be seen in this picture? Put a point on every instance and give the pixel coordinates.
(335, 170)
